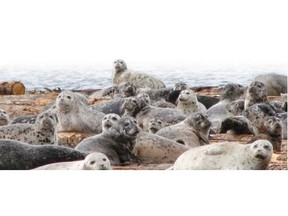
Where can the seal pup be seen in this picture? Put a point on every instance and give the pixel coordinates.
(109, 120)
(122, 74)
(187, 103)
(116, 143)
(226, 156)
(75, 115)
(154, 125)
(152, 148)
(139, 109)
(272, 130)
(42, 132)
(192, 131)
(16, 155)
(4, 118)
(93, 161)
(275, 83)
(256, 93)
(218, 112)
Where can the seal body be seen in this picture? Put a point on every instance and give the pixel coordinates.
(152, 148)
(42, 132)
(274, 83)
(15, 155)
(187, 103)
(221, 156)
(116, 143)
(113, 106)
(122, 74)
(93, 161)
(192, 132)
(4, 118)
(75, 115)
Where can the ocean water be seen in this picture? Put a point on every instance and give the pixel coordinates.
(97, 77)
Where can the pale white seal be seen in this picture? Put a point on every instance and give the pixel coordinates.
(93, 161)
(4, 118)
(221, 156)
(122, 74)
(109, 120)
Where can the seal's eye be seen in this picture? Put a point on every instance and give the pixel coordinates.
(114, 118)
(92, 162)
(255, 146)
(104, 159)
(126, 124)
(59, 96)
(105, 118)
(159, 122)
(4, 112)
(266, 147)
(69, 97)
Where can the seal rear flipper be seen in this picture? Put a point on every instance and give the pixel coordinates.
(214, 150)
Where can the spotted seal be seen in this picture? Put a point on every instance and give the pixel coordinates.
(93, 161)
(223, 156)
(192, 132)
(16, 155)
(274, 83)
(75, 115)
(4, 118)
(139, 109)
(109, 120)
(256, 93)
(122, 74)
(116, 143)
(187, 103)
(155, 125)
(152, 148)
(180, 86)
(42, 132)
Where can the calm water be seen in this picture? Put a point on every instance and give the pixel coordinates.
(95, 77)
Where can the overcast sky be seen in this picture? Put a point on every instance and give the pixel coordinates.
(174, 32)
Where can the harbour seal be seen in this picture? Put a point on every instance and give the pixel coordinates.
(180, 86)
(272, 130)
(236, 107)
(162, 103)
(116, 143)
(137, 108)
(109, 120)
(187, 103)
(154, 125)
(256, 93)
(113, 106)
(152, 148)
(192, 131)
(75, 115)
(42, 132)
(218, 112)
(122, 74)
(237, 125)
(93, 161)
(225, 156)
(274, 83)
(124, 90)
(4, 118)
(15, 155)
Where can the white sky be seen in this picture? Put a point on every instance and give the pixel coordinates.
(173, 32)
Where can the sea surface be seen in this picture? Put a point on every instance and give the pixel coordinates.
(77, 77)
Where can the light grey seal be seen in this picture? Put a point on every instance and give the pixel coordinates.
(139, 109)
(93, 161)
(218, 112)
(227, 156)
(75, 115)
(155, 125)
(275, 83)
(192, 132)
(4, 118)
(187, 103)
(122, 74)
(109, 120)
(15, 155)
(152, 148)
(256, 93)
(116, 143)
(42, 132)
